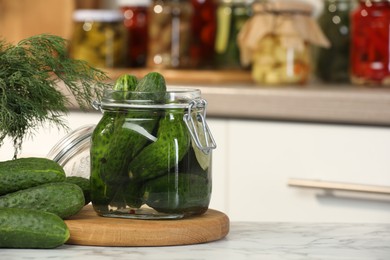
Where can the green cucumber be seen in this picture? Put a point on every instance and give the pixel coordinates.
(151, 82)
(101, 193)
(26, 228)
(179, 193)
(124, 85)
(118, 138)
(84, 184)
(166, 152)
(61, 198)
(24, 173)
(117, 142)
(126, 82)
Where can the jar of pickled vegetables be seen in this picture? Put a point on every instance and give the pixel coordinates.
(204, 26)
(151, 155)
(99, 37)
(170, 34)
(231, 16)
(135, 14)
(277, 41)
(332, 64)
(370, 41)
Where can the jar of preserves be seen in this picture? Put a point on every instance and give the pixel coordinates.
(151, 155)
(231, 16)
(99, 37)
(204, 26)
(370, 43)
(135, 14)
(277, 41)
(332, 64)
(170, 34)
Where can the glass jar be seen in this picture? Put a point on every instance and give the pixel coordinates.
(170, 34)
(231, 16)
(135, 14)
(72, 152)
(204, 26)
(332, 64)
(151, 155)
(276, 64)
(281, 49)
(370, 23)
(99, 37)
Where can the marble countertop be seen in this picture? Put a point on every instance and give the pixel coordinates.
(247, 240)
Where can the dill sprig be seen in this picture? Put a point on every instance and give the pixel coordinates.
(30, 72)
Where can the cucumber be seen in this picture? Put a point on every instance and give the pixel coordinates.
(151, 82)
(120, 137)
(24, 173)
(166, 152)
(84, 184)
(101, 193)
(124, 84)
(26, 228)
(61, 198)
(180, 193)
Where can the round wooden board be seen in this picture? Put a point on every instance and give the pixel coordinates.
(87, 228)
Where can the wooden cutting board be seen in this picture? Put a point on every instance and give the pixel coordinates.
(87, 228)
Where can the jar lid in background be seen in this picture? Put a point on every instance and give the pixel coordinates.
(134, 2)
(100, 15)
(72, 152)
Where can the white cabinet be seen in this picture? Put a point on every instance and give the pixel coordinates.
(46, 137)
(255, 159)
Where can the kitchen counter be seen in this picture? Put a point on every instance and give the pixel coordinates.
(247, 240)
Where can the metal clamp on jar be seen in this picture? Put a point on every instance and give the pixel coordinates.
(151, 155)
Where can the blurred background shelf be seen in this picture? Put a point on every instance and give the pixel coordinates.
(232, 94)
(203, 77)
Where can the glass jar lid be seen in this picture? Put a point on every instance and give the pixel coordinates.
(172, 98)
(101, 15)
(134, 2)
(72, 151)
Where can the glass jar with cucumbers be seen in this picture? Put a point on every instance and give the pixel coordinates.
(151, 151)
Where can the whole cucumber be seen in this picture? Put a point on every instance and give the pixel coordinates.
(166, 152)
(24, 173)
(129, 132)
(126, 82)
(151, 87)
(84, 184)
(182, 193)
(124, 85)
(118, 138)
(27, 228)
(61, 198)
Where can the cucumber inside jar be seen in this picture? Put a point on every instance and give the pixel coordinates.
(144, 163)
(165, 176)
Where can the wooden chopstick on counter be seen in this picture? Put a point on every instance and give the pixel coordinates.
(329, 185)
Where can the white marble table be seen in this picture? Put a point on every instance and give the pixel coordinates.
(246, 240)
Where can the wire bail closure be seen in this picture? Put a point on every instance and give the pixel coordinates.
(201, 136)
(97, 105)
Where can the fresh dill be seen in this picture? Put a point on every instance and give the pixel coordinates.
(30, 72)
